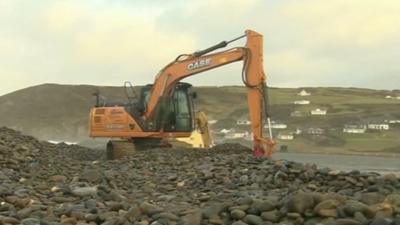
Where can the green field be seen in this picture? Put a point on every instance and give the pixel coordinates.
(344, 105)
(357, 143)
(52, 111)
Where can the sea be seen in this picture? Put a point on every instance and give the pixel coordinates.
(377, 164)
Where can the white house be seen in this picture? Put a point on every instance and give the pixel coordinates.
(296, 114)
(278, 126)
(378, 126)
(388, 96)
(301, 102)
(245, 134)
(398, 97)
(226, 131)
(304, 93)
(275, 125)
(285, 136)
(392, 121)
(212, 121)
(243, 122)
(355, 129)
(318, 111)
(315, 131)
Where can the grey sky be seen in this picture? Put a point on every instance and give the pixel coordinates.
(307, 43)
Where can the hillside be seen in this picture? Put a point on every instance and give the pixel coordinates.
(59, 112)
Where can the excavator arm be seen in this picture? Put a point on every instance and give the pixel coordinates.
(252, 75)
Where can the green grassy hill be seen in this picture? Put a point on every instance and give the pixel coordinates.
(52, 111)
(344, 106)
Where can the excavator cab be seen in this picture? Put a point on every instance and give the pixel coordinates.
(175, 113)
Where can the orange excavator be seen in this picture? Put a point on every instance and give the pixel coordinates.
(165, 108)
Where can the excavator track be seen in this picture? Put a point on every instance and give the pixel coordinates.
(119, 149)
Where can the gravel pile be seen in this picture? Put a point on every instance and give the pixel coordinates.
(43, 183)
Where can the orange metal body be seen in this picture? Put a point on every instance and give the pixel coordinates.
(252, 57)
(115, 122)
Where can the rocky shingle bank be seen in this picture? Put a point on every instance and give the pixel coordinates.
(43, 183)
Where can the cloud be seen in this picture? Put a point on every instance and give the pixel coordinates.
(358, 23)
(307, 43)
(356, 38)
(69, 42)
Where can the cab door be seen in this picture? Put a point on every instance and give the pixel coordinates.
(178, 111)
(183, 110)
(173, 113)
